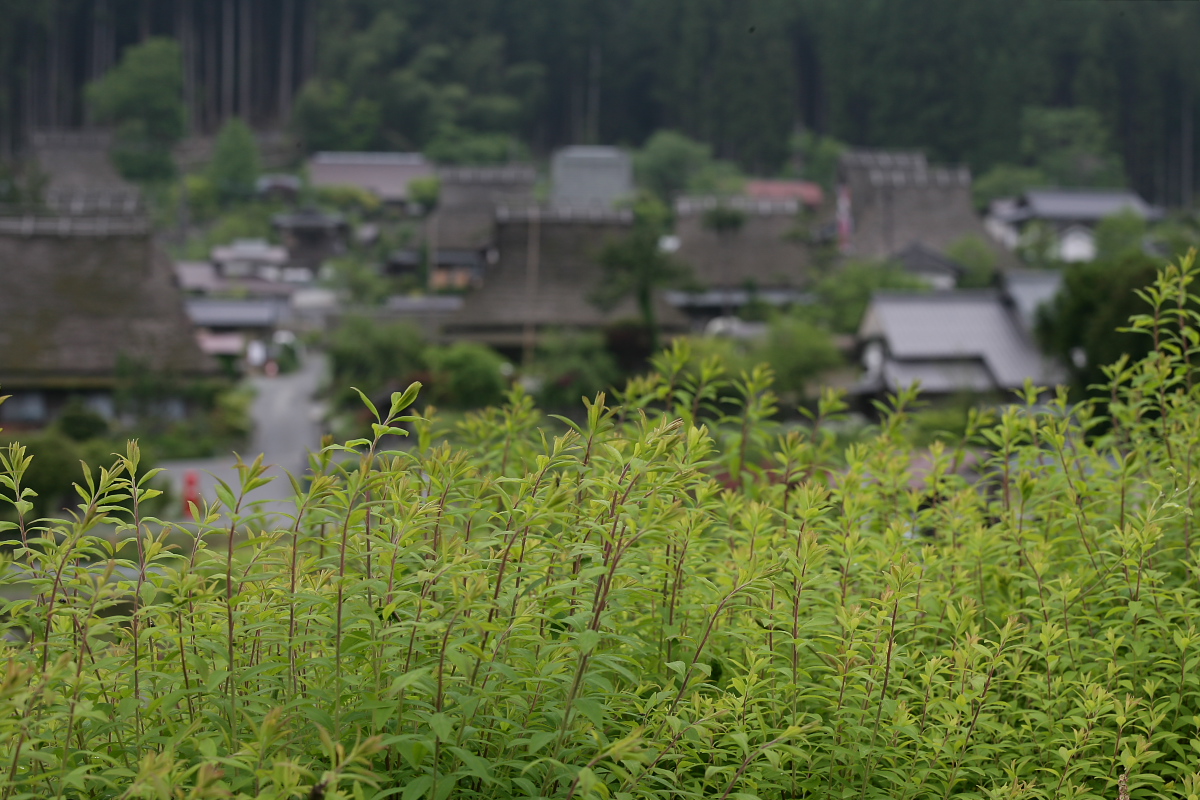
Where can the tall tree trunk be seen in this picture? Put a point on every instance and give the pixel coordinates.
(53, 65)
(145, 12)
(212, 70)
(228, 40)
(186, 33)
(245, 68)
(286, 48)
(309, 67)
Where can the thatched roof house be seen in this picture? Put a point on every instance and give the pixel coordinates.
(889, 199)
(80, 295)
(546, 270)
(764, 249)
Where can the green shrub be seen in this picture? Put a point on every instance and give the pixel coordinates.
(467, 375)
(640, 607)
(80, 423)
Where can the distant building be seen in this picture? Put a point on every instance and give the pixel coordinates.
(278, 186)
(757, 253)
(250, 258)
(386, 175)
(590, 176)
(1069, 215)
(546, 270)
(951, 342)
(311, 237)
(82, 301)
(889, 199)
(923, 262)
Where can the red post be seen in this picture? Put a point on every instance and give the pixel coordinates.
(191, 492)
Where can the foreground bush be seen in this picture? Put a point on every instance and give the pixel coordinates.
(641, 607)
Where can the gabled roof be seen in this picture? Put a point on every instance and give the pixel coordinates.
(765, 250)
(1028, 289)
(72, 305)
(1081, 205)
(956, 327)
(214, 313)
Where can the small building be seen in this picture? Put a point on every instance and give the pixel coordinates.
(280, 187)
(235, 329)
(311, 236)
(590, 176)
(950, 342)
(1069, 215)
(386, 175)
(84, 303)
(251, 258)
(449, 269)
(1028, 290)
(923, 262)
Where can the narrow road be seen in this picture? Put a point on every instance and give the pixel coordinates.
(287, 426)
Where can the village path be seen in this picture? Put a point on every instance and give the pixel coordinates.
(287, 426)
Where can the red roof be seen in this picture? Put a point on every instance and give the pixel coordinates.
(805, 191)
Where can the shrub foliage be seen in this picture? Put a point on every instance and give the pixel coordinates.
(673, 598)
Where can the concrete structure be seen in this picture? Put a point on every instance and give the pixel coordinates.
(590, 176)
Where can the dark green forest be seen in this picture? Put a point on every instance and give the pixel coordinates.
(497, 78)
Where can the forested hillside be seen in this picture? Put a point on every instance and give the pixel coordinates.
(743, 75)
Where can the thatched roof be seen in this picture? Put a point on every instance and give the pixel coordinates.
(72, 303)
(554, 292)
(765, 250)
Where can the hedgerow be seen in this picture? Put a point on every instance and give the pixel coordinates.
(675, 598)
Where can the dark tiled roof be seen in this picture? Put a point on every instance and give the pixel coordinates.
(71, 305)
(1081, 205)
(956, 329)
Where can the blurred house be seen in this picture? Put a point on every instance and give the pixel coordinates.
(386, 175)
(1069, 216)
(250, 258)
(740, 250)
(279, 187)
(1028, 291)
(86, 304)
(951, 342)
(311, 237)
(590, 176)
(923, 262)
(449, 269)
(546, 271)
(236, 329)
(77, 162)
(889, 199)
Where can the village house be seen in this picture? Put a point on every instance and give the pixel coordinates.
(311, 237)
(888, 200)
(547, 267)
(84, 301)
(386, 175)
(956, 342)
(739, 250)
(936, 269)
(1069, 216)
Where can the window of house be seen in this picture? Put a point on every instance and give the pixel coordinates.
(24, 407)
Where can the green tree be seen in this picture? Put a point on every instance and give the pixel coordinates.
(573, 365)
(798, 351)
(669, 162)
(1070, 146)
(234, 166)
(143, 97)
(1120, 234)
(1081, 326)
(467, 375)
(375, 357)
(842, 296)
(1005, 180)
(326, 117)
(977, 257)
(636, 267)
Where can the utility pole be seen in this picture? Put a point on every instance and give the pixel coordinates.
(532, 266)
